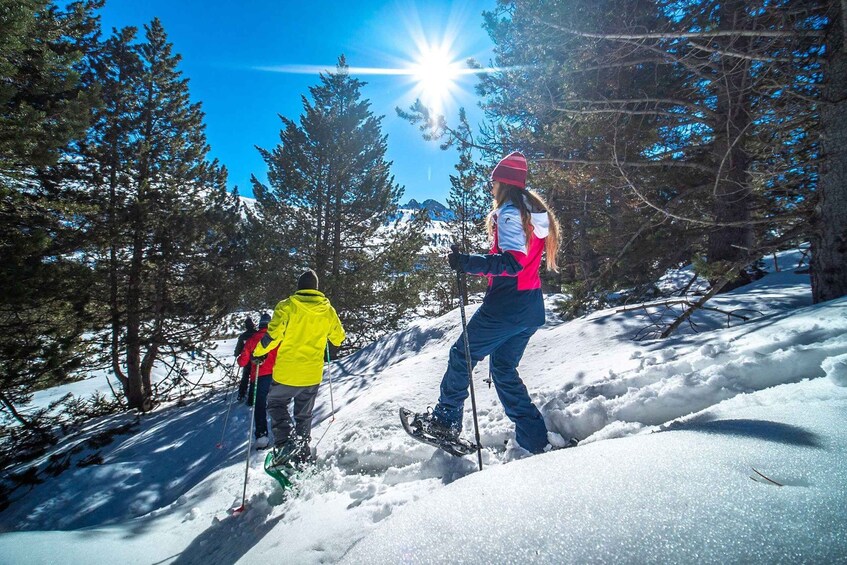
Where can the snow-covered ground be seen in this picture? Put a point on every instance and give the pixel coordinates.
(684, 442)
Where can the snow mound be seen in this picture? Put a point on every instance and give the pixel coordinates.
(836, 369)
(783, 349)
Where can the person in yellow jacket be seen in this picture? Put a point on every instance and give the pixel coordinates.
(301, 326)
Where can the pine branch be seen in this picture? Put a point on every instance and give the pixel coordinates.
(17, 415)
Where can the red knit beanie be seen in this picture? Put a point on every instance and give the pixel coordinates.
(511, 170)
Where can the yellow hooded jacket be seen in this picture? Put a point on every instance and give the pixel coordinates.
(300, 326)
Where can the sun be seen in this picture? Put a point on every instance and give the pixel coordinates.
(435, 72)
(426, 59)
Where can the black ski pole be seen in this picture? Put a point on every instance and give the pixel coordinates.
(460, 278)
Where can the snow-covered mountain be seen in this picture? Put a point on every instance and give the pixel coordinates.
(438, 234)
(436, 210)
(724, 446)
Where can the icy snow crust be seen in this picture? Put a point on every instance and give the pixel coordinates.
(673, 433)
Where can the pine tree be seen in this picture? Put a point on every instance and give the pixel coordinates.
(565, 101)
(680, 130)
(44, 106)
(170, 255)
(330, 197)
(470, 204)
(468, 199)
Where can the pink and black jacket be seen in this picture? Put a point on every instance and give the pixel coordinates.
(514, 285)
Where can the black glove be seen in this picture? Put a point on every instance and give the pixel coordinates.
(453, 257)
(258, 360)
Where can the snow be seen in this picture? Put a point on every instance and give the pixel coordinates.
(677, 439)
(836, 369)
(682, 495)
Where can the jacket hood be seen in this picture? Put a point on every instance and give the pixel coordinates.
(540, 224)
(540, 220)
(312, 300)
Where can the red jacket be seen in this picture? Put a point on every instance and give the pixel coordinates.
(265, 369)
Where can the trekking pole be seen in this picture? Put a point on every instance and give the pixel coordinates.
(229, 407)
(331, 400)
(460, 278)
(249, 437)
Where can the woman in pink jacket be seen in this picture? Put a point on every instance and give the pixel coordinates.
(522, 230)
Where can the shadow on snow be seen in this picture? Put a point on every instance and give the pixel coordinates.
(756, 429)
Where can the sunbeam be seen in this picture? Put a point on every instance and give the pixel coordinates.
(430, 62)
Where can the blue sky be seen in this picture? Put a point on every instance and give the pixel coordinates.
(226, 44)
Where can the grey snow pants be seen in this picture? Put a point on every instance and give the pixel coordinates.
(279, 398)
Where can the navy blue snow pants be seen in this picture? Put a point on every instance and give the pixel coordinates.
(505, 344)
(261, 417)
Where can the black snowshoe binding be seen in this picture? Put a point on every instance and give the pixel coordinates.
(286, 462)
(424, 428)
(294, 454)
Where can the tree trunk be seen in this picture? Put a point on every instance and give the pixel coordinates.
(114, 307)
(146, 372)
(587, 256)
(7, 402)
(829, 236)
(731, 191)
(336, 233)
(135, 390)
(320, 205)
(325, 199)
(133, 387)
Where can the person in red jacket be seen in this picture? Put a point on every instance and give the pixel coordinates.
(249, 329)
(266, 369)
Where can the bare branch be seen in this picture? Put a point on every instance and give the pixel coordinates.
(695, 306)
(668, 213)
(657, 101)
(625, 112)
(739, 55)
(601, 162)
(726, 155)
(687, 34)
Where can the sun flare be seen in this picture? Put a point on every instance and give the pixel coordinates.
(436, 72)
(430, 58)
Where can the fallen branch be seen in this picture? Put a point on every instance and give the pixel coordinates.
(687, 287)
(768, 479)
(696, 306)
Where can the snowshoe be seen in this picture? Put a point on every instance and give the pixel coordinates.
(422, 428)
(572, 442)
(283, 475)
(286, 455)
